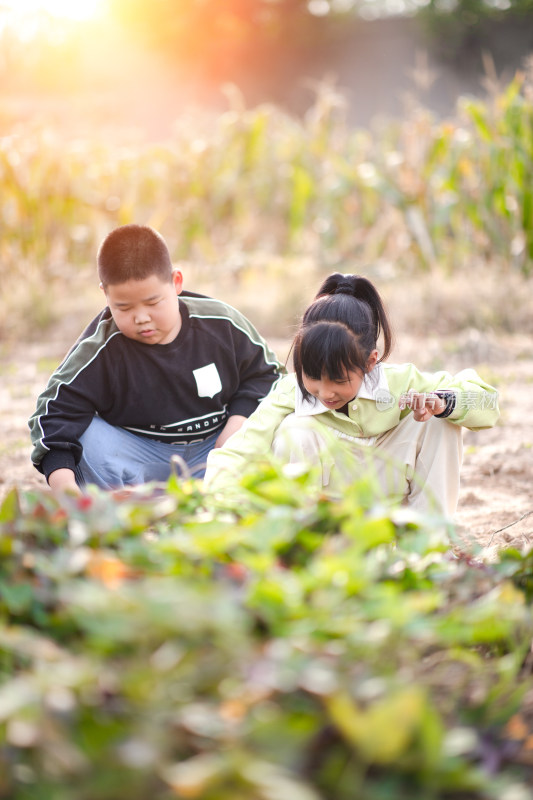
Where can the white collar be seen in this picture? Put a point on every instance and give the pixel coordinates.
(373, 387)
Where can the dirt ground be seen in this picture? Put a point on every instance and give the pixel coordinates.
(495, 508)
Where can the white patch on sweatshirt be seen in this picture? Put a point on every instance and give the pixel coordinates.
(207, 380)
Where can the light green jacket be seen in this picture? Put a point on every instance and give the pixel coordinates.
(374, 411)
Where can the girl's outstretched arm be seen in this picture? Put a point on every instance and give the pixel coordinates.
(253, 441)
(470, 401)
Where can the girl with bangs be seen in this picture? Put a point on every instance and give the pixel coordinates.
(346, 411)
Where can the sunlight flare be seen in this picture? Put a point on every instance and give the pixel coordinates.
(64, 9)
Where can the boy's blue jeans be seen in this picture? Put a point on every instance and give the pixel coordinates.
(113, 457)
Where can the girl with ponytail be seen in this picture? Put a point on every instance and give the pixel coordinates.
(347, 411)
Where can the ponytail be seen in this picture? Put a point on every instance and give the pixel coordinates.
(364, 305)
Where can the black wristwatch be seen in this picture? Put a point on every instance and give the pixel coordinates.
(449, 397)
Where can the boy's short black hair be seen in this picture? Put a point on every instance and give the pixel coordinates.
(133, 252)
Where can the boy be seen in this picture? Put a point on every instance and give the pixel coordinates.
(153, 376)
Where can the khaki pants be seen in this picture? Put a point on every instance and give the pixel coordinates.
(416, 463)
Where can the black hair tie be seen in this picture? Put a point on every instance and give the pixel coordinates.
(344, 287)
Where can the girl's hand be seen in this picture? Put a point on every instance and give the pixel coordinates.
(424, 405)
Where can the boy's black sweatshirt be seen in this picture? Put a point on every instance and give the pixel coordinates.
(181, 392)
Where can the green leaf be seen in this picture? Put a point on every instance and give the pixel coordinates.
(18, 597)
(10, 507)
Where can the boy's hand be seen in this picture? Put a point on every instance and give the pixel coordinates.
(424, 405)
(63, 480)
(232, 426)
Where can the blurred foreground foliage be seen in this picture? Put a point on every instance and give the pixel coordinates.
(164, 645)
(412, 193)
